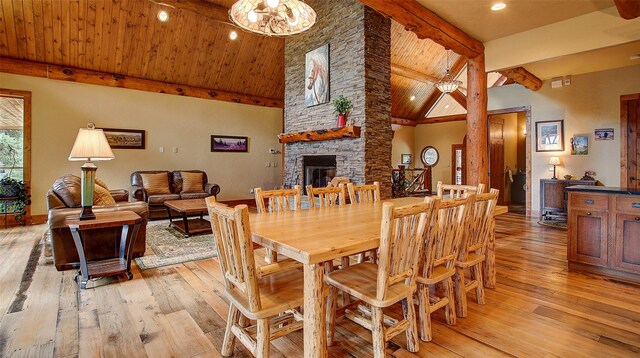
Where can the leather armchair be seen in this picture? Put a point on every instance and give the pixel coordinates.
(157, 210)
(99, 244)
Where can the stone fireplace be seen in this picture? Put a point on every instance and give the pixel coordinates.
(316, 169)
(359, 60)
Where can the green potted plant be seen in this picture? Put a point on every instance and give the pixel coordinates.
(13, 188)
(342, 106)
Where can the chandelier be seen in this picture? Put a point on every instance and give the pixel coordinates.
(273, 17)
(448, 84)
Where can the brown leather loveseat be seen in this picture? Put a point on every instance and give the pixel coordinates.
(63, 200)
(174, 182)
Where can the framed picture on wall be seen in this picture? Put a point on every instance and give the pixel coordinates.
(604, 134)
(579, 145)
(550, 136)
(407, 159)
(227, 143)
(124, 138)
(316, 69)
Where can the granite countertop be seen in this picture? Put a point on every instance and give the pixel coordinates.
(604, 189)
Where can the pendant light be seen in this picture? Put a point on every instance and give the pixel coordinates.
(448, 84)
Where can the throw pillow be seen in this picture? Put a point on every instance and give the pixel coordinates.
(101, 196)
(101, 183)
(155, 184)
(191, 182)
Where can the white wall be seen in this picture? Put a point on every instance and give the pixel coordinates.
(403, 143)
(592, 101)
(441, 136)
(60, 108)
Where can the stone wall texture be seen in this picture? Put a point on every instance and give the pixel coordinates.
(359, 56)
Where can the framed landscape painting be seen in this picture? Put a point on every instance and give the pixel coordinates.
(316, 69)
(225, 143)
(124, 138)
(550, 136)
(579, 145)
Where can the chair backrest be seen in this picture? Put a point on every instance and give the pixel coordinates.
(336, 181)
(364, 193)
(278, 200)
(232, 236)
(458, 191)
(401, 242)
(327, 196)
(481, 224)
(444, 237)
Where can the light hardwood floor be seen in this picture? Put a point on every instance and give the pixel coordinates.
(537, 309)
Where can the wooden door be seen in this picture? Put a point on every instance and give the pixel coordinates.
(627, 242)
(630, 141)
(588, 237)
(496, 156)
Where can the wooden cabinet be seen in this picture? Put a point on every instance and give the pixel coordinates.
(604, 234)
(553, 200)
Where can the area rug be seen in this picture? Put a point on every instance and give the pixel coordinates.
(167, 246)
(560, 225)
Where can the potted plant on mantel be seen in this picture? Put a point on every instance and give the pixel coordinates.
(342, 106)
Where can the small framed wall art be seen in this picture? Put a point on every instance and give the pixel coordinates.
(124, 138)
(407, 158)
(550, 136)
(604, 134)
(227, 143)
(579, 145)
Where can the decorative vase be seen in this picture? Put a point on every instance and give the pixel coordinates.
(342, 120)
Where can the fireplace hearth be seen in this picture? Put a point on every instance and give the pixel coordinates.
(318, 170)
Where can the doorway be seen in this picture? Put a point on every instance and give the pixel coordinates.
(630, 141)
(15, 140)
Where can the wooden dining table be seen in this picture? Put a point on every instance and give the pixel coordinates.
(315, 236)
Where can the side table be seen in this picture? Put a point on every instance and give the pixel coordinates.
(128, 220)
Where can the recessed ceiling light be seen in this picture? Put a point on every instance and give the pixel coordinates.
(413, 98)
(233, 35)
(163, 16)
(498, 6)
(447, 106)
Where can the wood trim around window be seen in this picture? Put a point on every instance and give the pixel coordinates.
(26, 148)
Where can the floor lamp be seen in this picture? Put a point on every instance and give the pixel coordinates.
(90, 145)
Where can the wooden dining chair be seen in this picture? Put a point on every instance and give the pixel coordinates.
(267, 295)
(336, 181)
(327, 196)
(442, 243)
(472, 250)
(279, 200)
(458, 191)
(390, 281)
(364, 193)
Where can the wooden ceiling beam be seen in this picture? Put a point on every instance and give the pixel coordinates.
(403, 121)
(522, 76)
(413, 74)
(38, 69)
(443, 119)
(628, 9)
(426, 24)
(459, 97)
(500, 81)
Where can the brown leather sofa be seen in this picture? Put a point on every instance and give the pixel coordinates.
(157, 210)
(63, 200)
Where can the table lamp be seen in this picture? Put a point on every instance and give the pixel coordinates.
(554, 161)
(90, 145)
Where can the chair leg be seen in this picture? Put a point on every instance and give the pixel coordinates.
(229, 338)
(332, 305)
(450, 308)
(476, 273)
(262, 338)
(409, 311)
(460, 289)
(377, 332)
(271, 257)
(424, 313)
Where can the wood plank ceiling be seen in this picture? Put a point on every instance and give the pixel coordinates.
(192, 49)
(124, 37)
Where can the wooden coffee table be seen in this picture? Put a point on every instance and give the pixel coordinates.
(186, 208)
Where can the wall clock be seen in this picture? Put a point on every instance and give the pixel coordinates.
(429, 156)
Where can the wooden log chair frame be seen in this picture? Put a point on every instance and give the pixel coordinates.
(438, 267)
(389, 281)
(327, 196)
(268, 295)
(472, 250)
(458, 191)
(278, 200)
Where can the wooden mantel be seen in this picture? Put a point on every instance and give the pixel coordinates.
(320, 134)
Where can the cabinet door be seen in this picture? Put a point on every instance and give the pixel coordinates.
(627, 242)
(588, 237)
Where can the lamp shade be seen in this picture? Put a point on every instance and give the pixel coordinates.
(554, 161)
(91, 144)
